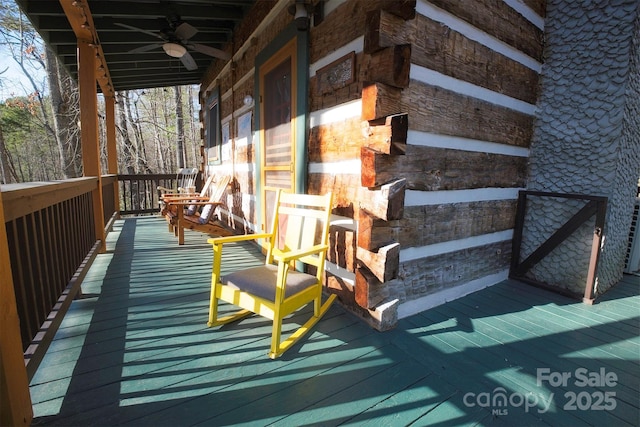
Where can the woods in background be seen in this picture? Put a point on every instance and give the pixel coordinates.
(156, 129)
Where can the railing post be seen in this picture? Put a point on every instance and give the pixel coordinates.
(89, 130)
(596, 245)
(112, 152)
(15, 400)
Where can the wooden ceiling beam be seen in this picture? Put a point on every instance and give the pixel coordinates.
(152, 10)
(204, 25)
(79, 16)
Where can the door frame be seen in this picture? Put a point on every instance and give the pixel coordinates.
(299, 114)
(286, 54)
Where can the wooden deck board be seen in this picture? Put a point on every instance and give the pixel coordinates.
(508, 360)
(135, 350)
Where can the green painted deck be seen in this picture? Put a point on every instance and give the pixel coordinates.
(135, 350)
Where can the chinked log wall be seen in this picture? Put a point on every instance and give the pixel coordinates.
(397, 41)
(431, 109)
(386, 68)
(399, 38)
(343, 141)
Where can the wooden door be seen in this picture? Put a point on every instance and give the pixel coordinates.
(277, 133)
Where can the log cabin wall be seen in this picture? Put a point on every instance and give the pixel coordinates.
(420, 119)
(471, 101)
(445, 115)
(234, 81)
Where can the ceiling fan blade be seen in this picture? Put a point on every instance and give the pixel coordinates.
(188, 62)
(129, 27)
(185, 31)
(211, 51)
(146, 48)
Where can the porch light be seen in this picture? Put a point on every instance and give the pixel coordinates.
(301, 10)
(174, 49)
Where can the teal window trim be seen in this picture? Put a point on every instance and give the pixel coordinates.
(213, 128)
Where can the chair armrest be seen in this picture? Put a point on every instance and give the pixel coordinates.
(181, 202)
(173, 193)
(239, 238)
(170, 190)
(287, 256)
(184, 198)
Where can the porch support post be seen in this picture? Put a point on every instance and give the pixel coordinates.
(112, 152)
(89, 129)
(15, 400)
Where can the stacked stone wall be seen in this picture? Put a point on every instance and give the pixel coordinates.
(586, 136)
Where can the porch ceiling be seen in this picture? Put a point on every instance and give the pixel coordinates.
(213, 19)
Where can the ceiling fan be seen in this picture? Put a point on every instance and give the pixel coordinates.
(175, 42)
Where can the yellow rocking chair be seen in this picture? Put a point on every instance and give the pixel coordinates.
(299, 236)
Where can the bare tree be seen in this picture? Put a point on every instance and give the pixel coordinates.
(6, 165)
(126, 148)
(180, 151)
(192, 128)
(64, 102)
(26, 49)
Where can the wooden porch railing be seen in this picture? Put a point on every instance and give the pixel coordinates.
(594, 206)
(139, 193)
(50, 236)
(52, 241)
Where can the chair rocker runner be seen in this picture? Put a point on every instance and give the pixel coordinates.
(299, 235)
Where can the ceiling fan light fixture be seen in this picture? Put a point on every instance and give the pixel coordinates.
(174, 49)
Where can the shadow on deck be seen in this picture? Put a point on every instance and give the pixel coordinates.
(135, 350)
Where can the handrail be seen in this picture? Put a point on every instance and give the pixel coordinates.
(51, 240)
(30, 197)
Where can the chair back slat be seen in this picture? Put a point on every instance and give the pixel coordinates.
(217, 190)
(302, 222)
(186, 177)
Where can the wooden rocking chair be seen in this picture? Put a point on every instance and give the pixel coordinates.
(197, 212)
(299, 235)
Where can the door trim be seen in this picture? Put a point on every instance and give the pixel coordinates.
(301, 71)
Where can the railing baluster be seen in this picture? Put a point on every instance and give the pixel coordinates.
(17, 268)
(43, 272)
(50, 235)
(139, 194)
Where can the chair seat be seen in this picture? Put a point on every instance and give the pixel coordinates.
(261, 281)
